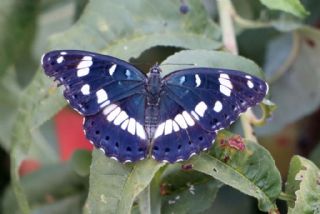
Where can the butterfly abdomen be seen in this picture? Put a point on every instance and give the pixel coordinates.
(153, 87)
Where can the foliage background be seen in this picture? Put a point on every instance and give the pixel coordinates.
(279, 36)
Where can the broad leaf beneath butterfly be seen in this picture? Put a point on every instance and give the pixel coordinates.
(130, 116)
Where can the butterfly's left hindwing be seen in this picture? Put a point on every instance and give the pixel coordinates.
(119, 131)
(92, 81)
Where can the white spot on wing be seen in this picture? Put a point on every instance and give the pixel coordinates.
(101, 96)
(175, 126)
(225, 82)
(168, 127)
(120, 118)
(85, 62)
(63, 53)
(114, 158)
(87, 58)
(132, 126)
(105, 103)
(140, 131)
(188, 118)
(42, 57)
(125, 124)
(85, 89)
(159, 130)
(217, 106)
(109, 108)
(83, 72)
(112, 69)
(182, 80)
(200, 108)
(194, 114)
(102, 150)
(225, 76)
(224, 90)
(180, 120)
(114, 114)
(60, 59)
(128, 73)
(248, 77)
(198, 80)
(250, 84)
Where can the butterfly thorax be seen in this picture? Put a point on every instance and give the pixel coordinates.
(153, 87)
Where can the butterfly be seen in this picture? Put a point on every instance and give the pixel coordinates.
(130, 116)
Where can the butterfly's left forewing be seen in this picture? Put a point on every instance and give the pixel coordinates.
(92, 81)
(206, 100)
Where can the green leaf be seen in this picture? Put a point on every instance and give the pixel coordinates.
(9, 96)
(18, 24)
(56, 181)
(315, 155)
(187, 191)
(206, 58)
(80, 162)
(252, 170)
(299, 83)
(71, 205)
(291, 6)
(114, 186)
(304, 184)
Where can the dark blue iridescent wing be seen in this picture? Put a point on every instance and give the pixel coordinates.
(119, 131)
(92, 81)
(110, 94)
(211, 99)
(178, 136)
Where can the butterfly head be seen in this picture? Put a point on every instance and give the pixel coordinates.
(155, 69)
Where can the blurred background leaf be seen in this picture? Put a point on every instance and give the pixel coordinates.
(303, 186)
(296, 91)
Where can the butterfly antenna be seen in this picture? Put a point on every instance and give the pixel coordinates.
(193, 64)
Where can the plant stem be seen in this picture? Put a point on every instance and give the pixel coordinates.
(226, 16)
(226, 23)
(246, 23)
(145, 201)
(286, 197)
